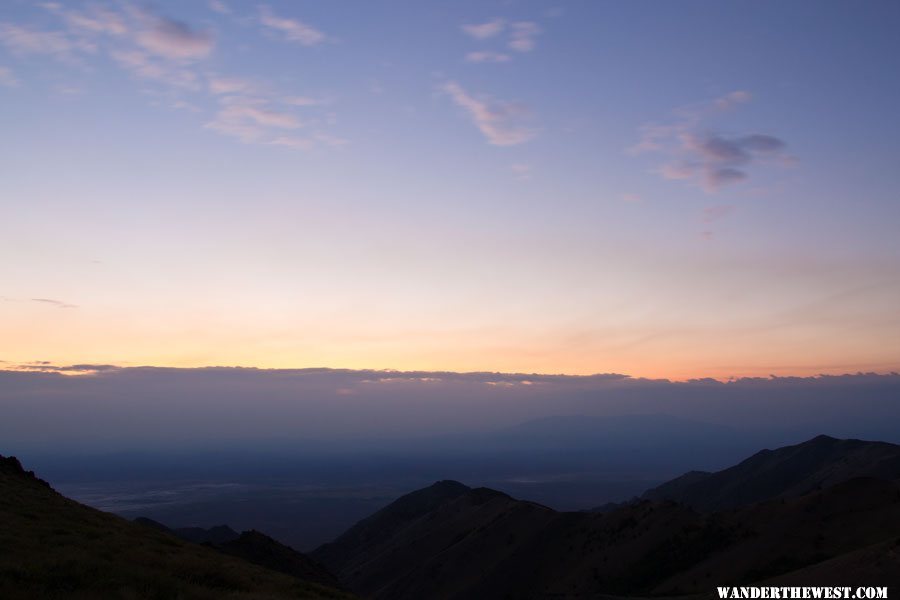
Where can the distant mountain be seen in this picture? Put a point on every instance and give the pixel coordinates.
(451, 541)
(787, 472)
(254, 547)
(53, 547)
(219, 534)
(262, 550)
(152, 524)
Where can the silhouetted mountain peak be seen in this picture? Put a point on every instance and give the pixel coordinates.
(785, 472)
(386, 522)
(151, 523)
(448, 486)
(11, 466)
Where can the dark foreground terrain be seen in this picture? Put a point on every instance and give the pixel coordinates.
(53, 547)
(824, 512)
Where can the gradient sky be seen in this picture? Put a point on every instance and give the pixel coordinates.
(667, 189)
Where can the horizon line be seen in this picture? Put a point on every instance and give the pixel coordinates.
(90, 369)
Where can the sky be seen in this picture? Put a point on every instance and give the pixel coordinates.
(665, 190)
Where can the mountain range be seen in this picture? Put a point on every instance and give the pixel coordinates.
(823, 512)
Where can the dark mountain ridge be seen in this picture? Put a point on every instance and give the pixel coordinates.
(822, 501)
(786, 472)
(254, 547)
(260, 549)
(218, 534)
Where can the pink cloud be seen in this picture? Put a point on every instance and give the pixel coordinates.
(292, 29)
(483, 31)
(496, 121)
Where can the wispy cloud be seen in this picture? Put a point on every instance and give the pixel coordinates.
(487, 57)
(174, 39)
(147, 67)
(521, 170)
(522, 34)
(219, 7)
(151, 46)
(732, 99)
(7, 77)
(56, 303)
(173, 55)
(716, 160)
(483, 31)
(259, 120)
(330, 140)
(22, 40)
(304, 101)
(710, 159)
(520, 37)
(229, 85)
(94, 20)
(292, 29)
(256, 111)
(45, 366)
(290, 141)
(251, 119)
(714, 213)
(497, 121)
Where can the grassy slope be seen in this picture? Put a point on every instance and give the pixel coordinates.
(53, 547)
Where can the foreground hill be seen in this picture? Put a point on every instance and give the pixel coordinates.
(53, 547)
(786, 472)
(450, 541)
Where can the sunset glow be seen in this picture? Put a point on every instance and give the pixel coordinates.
(484, 187)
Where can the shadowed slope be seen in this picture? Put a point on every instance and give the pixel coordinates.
(368, 534)
(477, 543)
(254, 547)
(53, 547)
(786, 472)
(262, 550)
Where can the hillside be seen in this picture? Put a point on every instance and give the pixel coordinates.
(365, 537)
(786, 472)
(253, 547)
(53, 547)
(478, 543)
